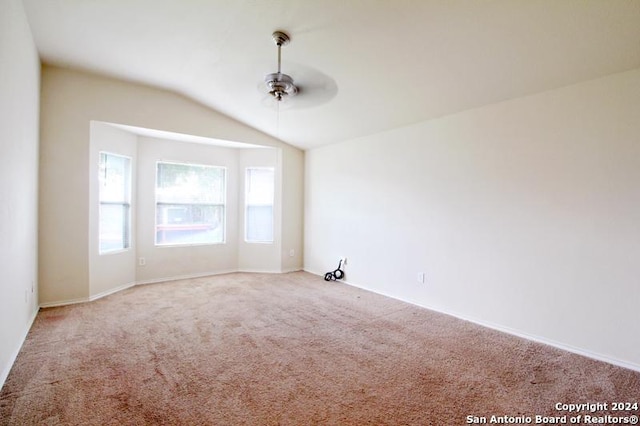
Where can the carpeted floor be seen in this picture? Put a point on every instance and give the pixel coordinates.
(256, 349)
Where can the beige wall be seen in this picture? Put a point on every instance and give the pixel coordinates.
(260, 257)
(114, 271)
(524, 215)
(111, 271)
(182, 261)
(19, 100)
(70, 101)
(292, 224)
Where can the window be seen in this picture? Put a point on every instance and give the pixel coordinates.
(190, 204)
(259, 190)
(114, 195)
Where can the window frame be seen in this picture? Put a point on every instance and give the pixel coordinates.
(125, 203)
(223, 205)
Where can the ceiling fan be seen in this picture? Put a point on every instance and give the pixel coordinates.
(313, 88)
(280, 85)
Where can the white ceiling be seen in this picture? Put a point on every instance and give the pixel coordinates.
(365, 66)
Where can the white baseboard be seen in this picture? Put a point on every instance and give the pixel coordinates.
(508, 330)
(129, 285)
(289, 270)
(7, 368)
(65, 302)
(156, 281)
(185, 277)
(550, 342)
(111, 291)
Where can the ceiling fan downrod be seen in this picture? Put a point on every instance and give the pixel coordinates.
(280, 85)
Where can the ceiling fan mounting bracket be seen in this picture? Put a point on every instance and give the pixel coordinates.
(281, 38)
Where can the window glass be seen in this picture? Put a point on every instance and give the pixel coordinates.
(114, 195)
(190, 204)
(259, 195)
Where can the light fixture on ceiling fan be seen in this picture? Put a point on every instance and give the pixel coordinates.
(280, 85)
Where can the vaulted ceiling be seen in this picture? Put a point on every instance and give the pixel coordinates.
(364, 66)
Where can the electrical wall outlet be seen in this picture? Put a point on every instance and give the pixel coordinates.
(421, 277)
(142, 261)
(292, 253)
(343, 260)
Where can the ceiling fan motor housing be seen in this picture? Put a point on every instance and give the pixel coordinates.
(280, 85)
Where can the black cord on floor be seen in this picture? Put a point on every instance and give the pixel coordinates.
(337, 274)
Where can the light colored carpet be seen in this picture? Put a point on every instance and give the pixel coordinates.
(292, 349)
